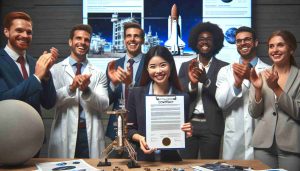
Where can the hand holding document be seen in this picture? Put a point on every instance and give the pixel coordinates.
(164, 118)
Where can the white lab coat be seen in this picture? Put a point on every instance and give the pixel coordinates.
(239, 125)
(63, 135)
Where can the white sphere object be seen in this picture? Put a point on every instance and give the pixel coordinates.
(21, 132)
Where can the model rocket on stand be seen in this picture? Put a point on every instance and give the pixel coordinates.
(174, 42)
(120, 143)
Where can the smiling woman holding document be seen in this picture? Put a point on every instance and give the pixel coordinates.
(158, 78)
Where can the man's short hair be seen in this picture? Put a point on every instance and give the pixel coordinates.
(246, 29)
(133, 25)
(84, 27)
(7, 21)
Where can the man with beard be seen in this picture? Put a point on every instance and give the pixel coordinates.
(125, 73)
(232, 96)
(21, 77)
(77, 130)
(198, 77)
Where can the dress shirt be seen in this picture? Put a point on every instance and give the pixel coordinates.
(199, 106)
(73, 64)
(14, 56)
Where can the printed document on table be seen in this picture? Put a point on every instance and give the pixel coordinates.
(72, 165)
(164, 118)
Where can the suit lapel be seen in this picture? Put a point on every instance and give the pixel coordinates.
(120, 63)
(88, 69)
(212, 67)
(139, 71)
(67, 67)
(31, 64)
(270, 101)
(11, 66)
(292, 77)
(260, 66)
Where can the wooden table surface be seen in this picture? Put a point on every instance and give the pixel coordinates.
(153, 166)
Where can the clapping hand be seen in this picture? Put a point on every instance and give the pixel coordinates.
(195, 73)
(119, 75)
(272, 79)
(240, 72)
(256, 79)
(45, 62)
(80, 81)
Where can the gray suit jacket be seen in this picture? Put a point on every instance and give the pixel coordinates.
(279, 118)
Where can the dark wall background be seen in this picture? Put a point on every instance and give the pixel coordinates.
(270, 15)
(53, 20)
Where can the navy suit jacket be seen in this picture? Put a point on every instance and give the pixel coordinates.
(213, 112)
(137, 116)
(115, 96)
(31, 91)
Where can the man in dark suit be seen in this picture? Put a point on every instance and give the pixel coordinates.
(21, 77)
(198, 77)
(125, 72)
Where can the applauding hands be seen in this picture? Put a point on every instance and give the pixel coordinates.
(80, 81)
(271, 77)
(196, 74)
(240, 72)
(45, 62)
(119, 75)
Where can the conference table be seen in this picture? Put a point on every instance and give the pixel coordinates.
(121, 164)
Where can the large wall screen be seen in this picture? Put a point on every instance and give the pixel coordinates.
(107, 17)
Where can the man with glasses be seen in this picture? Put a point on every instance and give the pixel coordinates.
(198, 77)
(232, 96)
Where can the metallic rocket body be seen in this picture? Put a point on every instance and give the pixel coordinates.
(174, 42)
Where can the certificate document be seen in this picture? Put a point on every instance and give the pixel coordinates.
(164, 118)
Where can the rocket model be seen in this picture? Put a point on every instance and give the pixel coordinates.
(174, 42)
(120, 143)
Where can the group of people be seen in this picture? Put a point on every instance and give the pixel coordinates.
(244, 110)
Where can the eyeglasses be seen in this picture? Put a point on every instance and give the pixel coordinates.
(245, 40)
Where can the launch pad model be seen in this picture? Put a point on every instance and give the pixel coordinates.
(120, 143)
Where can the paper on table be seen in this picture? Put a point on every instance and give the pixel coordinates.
(164, 118)
(72, 165)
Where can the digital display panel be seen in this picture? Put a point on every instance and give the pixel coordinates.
(108, 16)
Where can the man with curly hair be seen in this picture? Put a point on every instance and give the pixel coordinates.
(198, 77)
